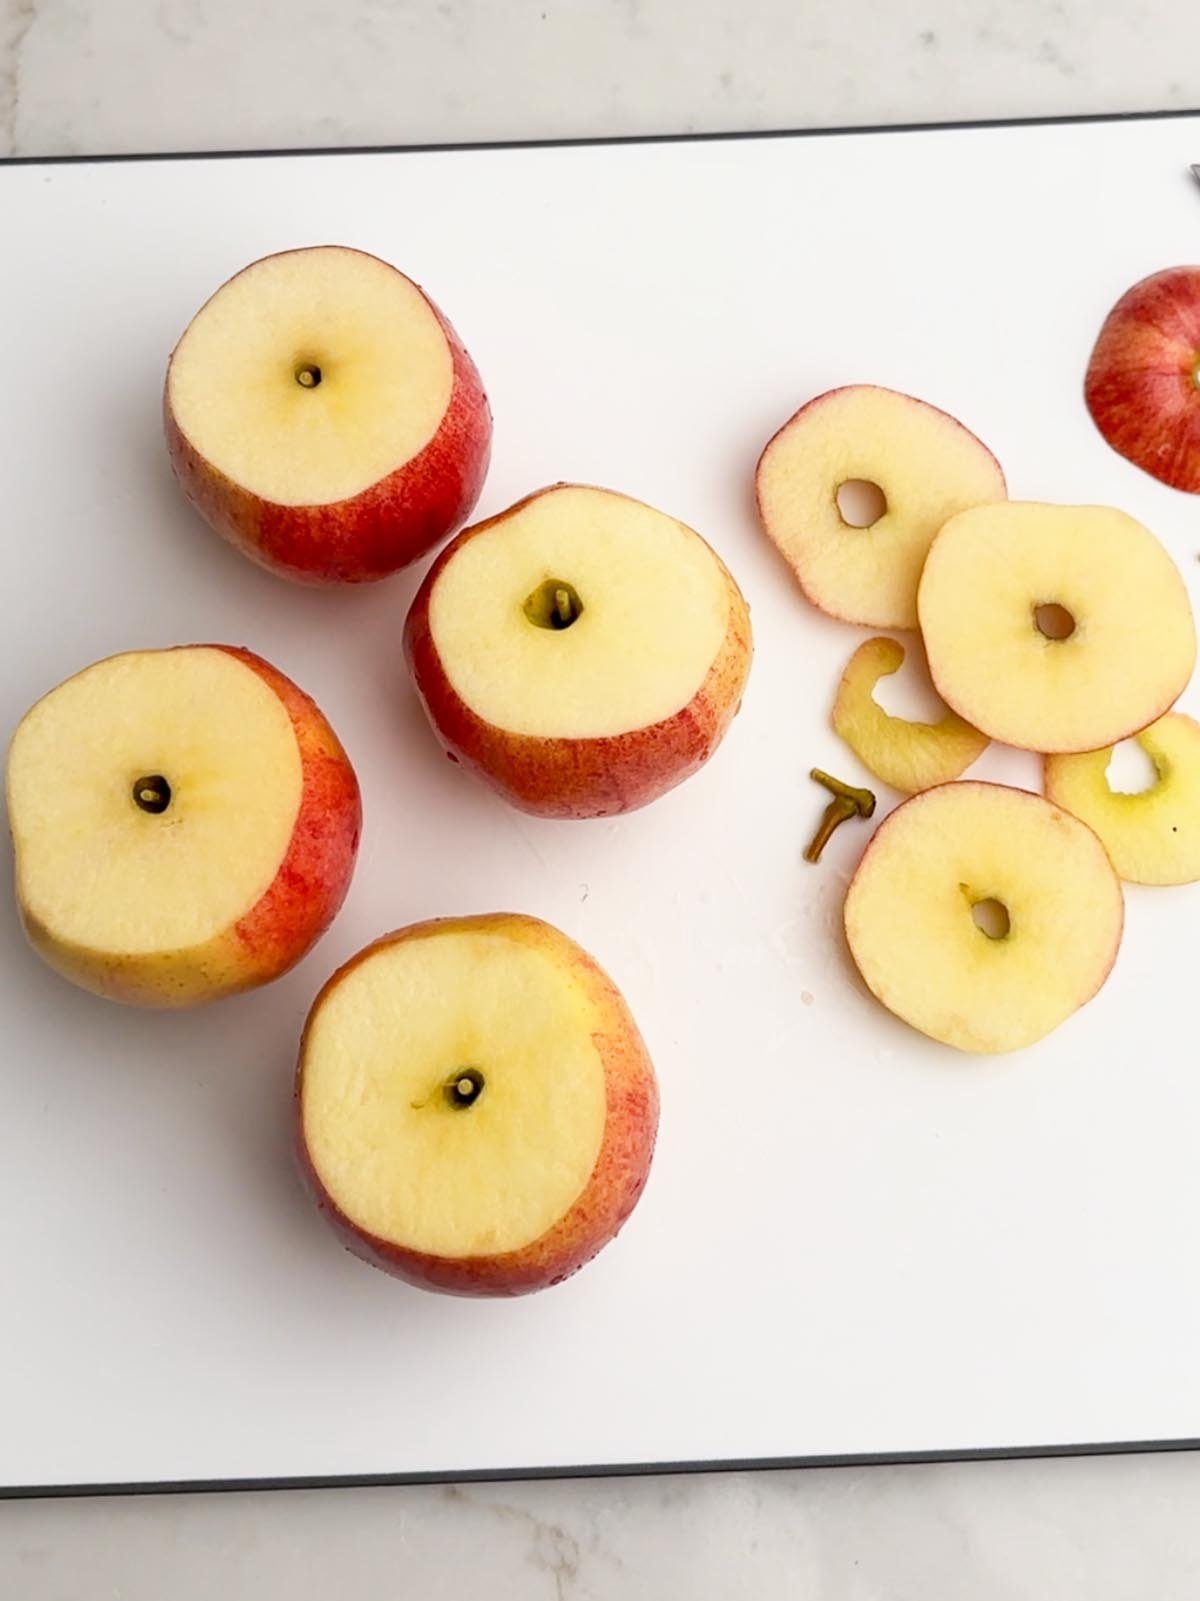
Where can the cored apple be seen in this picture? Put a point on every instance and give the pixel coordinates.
(322, 414)
(1152, 835)
(984, 916)
(1143, 380)
(476, 1109)
(852, 490)
(581, 652)
(1055, 628)
(910, 756)
(184, 824)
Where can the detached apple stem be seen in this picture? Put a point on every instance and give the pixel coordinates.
(847, 802)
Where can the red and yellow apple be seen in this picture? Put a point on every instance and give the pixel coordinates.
(1143, 380)
(476, 1111)
(910, 756)
(184, 824)
(581, 652)
(1152, 835)
(984, 916)
(852, 490)
(1055, 628)
(323, 415)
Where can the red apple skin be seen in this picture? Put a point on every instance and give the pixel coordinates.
(376, 532)
(1143, 380)
(617, 1179)
(291, 915)
(576, 778)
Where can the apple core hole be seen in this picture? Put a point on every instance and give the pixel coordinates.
(1053, 621)
(308, 375)
(1130, 770)
(990, 917)
(860, 502)
(152, 793)
(554, 604)
(464, 1087)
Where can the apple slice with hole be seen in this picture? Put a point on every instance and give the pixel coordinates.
(1143, 379)
(910, 756)
(984, 916)
(476, 1109)
(581, 652)
(852, 490)
(1152, 834)
(1055, 628)
(323, 415)
(184, 824)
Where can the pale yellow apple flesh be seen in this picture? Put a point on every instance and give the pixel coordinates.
(910, 756)
(923, 466)
(952, 869)
(652, 607)
(1152, 836)
(1055, 628)
(476, 1109)
(311, 376)
(385, 1124)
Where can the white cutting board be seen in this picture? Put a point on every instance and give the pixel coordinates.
(854, 1240)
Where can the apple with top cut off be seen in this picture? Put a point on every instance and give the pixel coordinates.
(1143, 380)
(184, 824)
(476, 1111)
(322, 414)
(581, 652)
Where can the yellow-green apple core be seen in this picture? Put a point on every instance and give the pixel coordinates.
(151, 799)
(852, 490)
(459, 1174)
(910, 756)
(1055, 628)
(1152, 835)
(311, 376)
(643, 614)
(984, 916)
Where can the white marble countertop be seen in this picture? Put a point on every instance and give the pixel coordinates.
(89, 76)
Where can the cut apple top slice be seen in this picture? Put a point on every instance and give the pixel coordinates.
(578, 614)
(151, 798)
(917, 466)
(1152, 835)
(311, 376)
(1055, 628)
(452, 1093)
(984, 916)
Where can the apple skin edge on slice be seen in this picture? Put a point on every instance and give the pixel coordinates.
(908, 755)
(983, 916)
(1055, 628)
(581, 652)
(1143, 379)
(184, 823)
(323, 416)
(918, 467)
(1152, 835)
(475, 1109)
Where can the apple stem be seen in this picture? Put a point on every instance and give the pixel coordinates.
(847, 802)
(562, 604)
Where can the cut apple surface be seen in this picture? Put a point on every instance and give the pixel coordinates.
(477, 1111)
(1152, 835)
(1055, 628)
(854, 487)
(1143, 380)
(184, 824)
(984, 916)
(582, 652)
(910, 756)
(322, 414)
